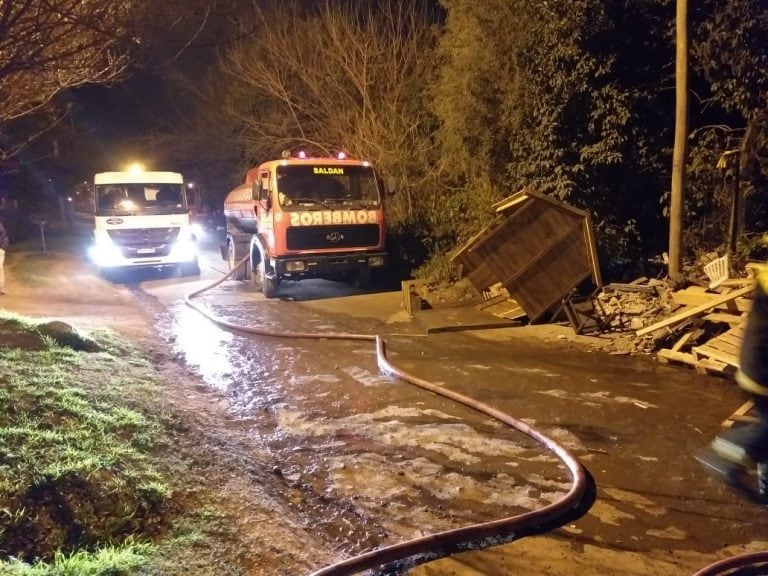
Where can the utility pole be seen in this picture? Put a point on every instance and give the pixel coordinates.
(681, 135)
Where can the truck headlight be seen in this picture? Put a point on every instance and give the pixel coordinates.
(295, 266)
(187, 233)
(376, 261)
(184, 250)
(104, 253)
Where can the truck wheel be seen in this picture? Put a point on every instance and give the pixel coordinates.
(363, 280)
(113, 275)
(269, 286)
(190, 268)
(240, 273)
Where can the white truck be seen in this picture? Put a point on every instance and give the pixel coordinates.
(142, 219)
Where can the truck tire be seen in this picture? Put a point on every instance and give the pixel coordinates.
(232, 259)
(269, 286)
(190, 268)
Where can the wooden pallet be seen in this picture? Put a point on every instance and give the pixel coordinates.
(702, 365)
(724, 348)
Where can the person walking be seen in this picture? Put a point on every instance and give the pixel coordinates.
(3, 247)
(733, 453)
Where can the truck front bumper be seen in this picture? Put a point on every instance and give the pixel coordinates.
(109, 255)
(327, 264)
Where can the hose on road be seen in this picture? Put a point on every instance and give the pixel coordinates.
(743, 561)
(477, 536)
(261, 331)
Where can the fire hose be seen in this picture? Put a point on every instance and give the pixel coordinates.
(395, 558)
(736, 563)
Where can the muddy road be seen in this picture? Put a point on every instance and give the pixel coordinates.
(367, 460)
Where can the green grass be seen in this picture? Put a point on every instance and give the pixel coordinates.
(91, 478)
(76, 469)
(112, 561)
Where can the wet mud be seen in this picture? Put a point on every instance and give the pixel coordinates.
(369, 460)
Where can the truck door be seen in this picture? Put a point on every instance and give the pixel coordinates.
(265, 208)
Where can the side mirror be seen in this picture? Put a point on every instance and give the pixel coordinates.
(255, 191)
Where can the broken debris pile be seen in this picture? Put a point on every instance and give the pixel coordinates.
(696, 325)
(537, 259)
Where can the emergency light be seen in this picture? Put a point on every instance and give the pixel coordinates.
(302, 155)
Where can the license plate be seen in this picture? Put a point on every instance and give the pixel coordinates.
(145, 251)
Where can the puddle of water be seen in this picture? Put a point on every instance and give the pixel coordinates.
(204, 345)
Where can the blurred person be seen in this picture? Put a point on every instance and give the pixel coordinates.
(734, 452)
(3, 247)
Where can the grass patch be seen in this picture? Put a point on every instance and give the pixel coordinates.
(74, 468)
(120, 560)
(79, 485)
(95, 476)
(17, 332)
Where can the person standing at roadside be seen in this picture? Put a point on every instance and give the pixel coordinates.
(3, 248)
(732, 453)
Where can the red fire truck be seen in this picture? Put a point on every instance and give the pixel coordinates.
(301, 217)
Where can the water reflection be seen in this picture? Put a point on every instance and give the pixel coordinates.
(204, 345)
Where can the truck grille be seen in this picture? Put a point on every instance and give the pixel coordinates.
(314, 237)
(144, 242)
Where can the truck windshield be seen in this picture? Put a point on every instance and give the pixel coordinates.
(327, 186)
(124, 199)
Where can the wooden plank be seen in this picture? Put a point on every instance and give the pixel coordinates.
(691, 298)
(724, 317)
(707, 365)
(589, 237)
(510, 201)
(702, 365)
(618, 287)
(730, 339)
(411, 299)
(554, 245)
(492, 301)
(512, 313)
(682, 341)
(728, 343)
(684, 357)
(718, 355)
(721, 346)
(737, 281)
(740, 415)
(717, 301)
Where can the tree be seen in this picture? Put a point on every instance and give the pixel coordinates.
(49, 46)
(331, 76)
(729, 60)
(562, 97)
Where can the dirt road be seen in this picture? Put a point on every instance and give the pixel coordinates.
(633, 423)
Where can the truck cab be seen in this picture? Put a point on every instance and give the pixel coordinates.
(302, 217)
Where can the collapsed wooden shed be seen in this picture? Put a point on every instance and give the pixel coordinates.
(538, 248)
